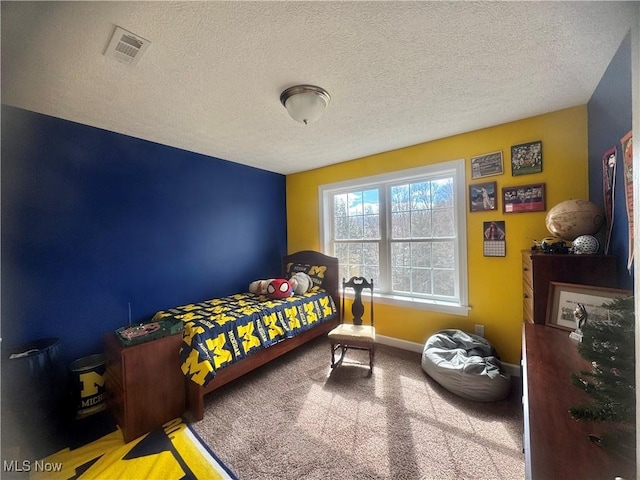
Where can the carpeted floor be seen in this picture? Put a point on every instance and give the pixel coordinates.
(294, 419)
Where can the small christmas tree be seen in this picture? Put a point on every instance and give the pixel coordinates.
(610, 347)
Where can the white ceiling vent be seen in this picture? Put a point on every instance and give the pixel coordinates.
(126, 47)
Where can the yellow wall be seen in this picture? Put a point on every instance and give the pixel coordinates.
(495, 283)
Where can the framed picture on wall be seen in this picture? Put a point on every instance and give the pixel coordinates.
(486, 165)
(526, 158)
(482, 197)
(523, 198)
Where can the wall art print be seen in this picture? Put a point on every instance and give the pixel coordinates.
(526, 158)
(564, 297)
(524, 198)
(487, 165)
(482, 197)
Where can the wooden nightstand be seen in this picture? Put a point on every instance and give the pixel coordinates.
(144, 384)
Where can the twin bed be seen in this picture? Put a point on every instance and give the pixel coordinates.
(227, 337)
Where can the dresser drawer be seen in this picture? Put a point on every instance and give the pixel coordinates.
(527, 270)
(527, 302)
(527, 311)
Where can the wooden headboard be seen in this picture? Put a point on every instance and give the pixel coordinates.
(310, 257)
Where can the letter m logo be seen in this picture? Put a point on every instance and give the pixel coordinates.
(91, 381)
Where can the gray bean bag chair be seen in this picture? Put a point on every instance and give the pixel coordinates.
(466, 365)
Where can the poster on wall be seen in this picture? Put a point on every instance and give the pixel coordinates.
(526, 158)
(523, 198)
(627, 158)
(482, 197)
(486, 165)
(609, 160)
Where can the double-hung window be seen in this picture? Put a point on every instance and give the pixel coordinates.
(406, 230)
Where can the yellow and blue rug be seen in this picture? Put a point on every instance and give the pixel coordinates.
(172, 452)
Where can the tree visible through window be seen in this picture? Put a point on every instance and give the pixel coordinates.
(357, 237)
(405, 231)
(422, 238)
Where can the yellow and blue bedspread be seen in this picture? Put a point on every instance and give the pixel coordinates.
(224, 330)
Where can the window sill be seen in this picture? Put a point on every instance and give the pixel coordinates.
(419, 304)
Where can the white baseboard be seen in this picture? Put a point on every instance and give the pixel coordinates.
(511, 369)
(401, 344)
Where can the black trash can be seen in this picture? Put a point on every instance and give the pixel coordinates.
(35, 385)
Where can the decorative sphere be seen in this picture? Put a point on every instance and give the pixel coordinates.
(585, 244)
(572, 218)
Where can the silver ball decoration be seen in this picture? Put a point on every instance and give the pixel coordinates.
(585, 245)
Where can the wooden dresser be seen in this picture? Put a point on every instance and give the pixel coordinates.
(539, 269)
(144, 384)
(557, 446)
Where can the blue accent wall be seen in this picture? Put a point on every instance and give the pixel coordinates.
(93, 220)
(610, 118)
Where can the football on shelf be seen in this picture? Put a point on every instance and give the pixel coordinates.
(573, 218)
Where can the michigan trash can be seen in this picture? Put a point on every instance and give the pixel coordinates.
(88, 381)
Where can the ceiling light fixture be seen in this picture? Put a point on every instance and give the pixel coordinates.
(305, 103)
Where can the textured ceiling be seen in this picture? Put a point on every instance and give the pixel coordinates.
(399, 73)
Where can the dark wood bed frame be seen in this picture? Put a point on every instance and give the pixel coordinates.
(195, 393)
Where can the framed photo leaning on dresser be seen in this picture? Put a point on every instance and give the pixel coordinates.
(565, 297)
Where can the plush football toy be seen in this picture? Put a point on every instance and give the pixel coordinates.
(301, 283)
(259, 287)
(279, 288)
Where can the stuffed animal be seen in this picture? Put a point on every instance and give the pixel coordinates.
(259, 287)
(279, 288)
(301, 283)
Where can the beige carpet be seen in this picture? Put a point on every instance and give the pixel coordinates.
(294, 419)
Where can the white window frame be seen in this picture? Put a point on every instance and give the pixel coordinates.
(454, 168)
